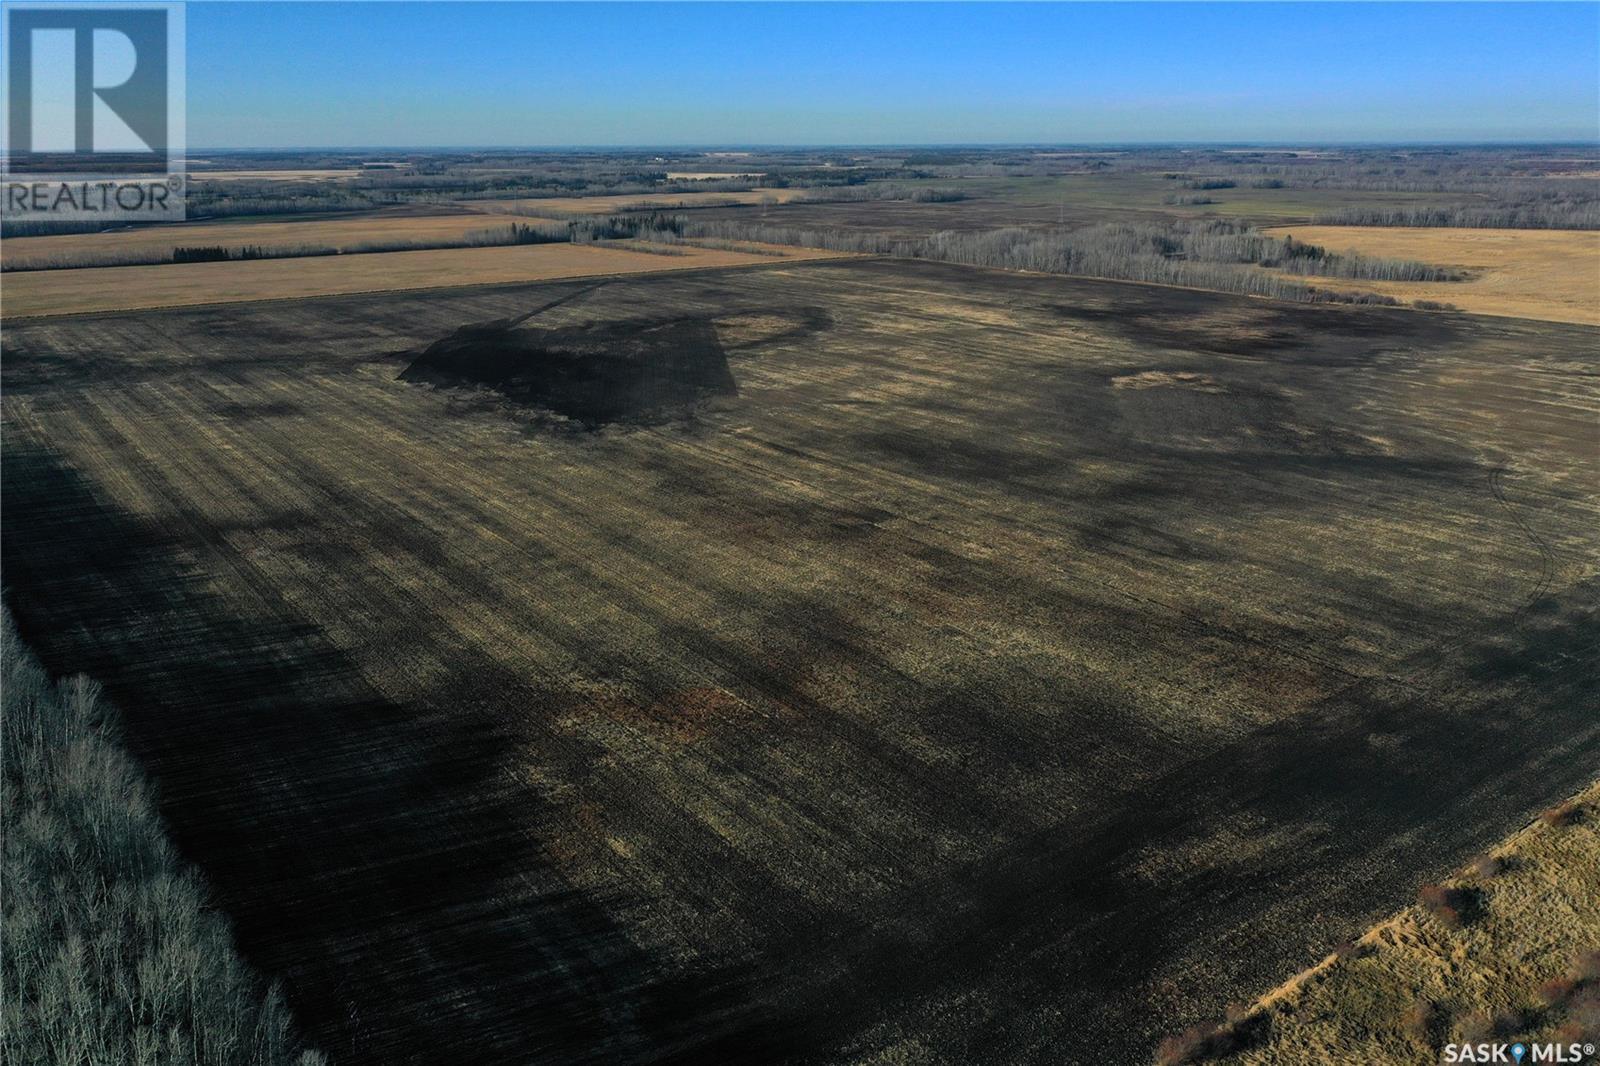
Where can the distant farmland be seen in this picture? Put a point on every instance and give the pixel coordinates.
(341, 232)
(969, 665)
(600, 205)
(77, 291)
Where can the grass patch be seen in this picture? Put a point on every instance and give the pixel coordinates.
(1508, 949)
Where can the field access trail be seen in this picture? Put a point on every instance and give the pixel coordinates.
(996, 667)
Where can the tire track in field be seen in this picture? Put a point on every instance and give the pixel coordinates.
(1547, 559)
(1436, 658)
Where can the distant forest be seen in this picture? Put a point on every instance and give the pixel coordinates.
(1556, 187)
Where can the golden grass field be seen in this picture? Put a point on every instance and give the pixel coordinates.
(1521, 273)
(343, 233)
(1414, 983)
(62, 292)
(600, 205)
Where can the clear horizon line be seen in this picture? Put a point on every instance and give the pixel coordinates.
(890, 145)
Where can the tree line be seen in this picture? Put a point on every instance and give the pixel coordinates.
(1554, 214)
(108, 950)
(1206, 254)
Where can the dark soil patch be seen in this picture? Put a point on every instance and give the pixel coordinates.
(1158, 318)
(595, 374)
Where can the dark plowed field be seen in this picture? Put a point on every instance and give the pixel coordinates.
(979, 666)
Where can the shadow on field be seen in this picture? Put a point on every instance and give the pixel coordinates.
(375, 857)
(637, 371)
(595, 374)
(1153, 318)
(1069, 920)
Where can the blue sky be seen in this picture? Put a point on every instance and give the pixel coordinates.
(514, 74)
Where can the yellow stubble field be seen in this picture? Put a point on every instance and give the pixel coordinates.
(1552, 275)
(341, 232)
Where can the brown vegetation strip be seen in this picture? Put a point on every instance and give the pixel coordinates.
(342, 233)
(60, 292)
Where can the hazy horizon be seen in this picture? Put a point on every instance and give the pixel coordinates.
(339, 75)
